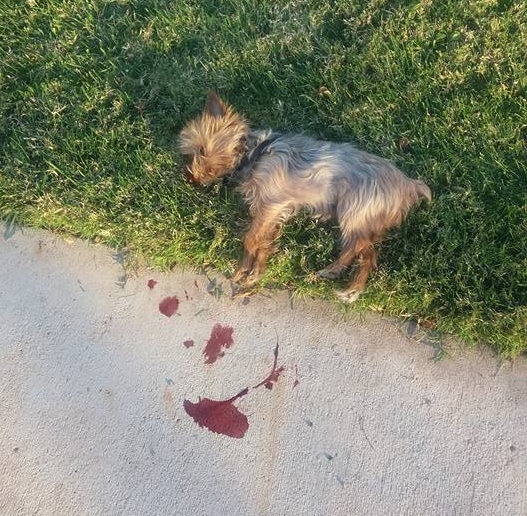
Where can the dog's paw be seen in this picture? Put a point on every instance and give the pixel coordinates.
(239, 276)
(348, 296)
(246, 278)
(252, 278)
(239, 291)
(328, 273)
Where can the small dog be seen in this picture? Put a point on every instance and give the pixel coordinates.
(280, 174)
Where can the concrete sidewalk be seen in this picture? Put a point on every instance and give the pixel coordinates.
(362, 421)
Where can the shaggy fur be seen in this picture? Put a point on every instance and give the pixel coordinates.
(282, 174)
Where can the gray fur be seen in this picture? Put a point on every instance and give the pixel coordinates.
(363, 192)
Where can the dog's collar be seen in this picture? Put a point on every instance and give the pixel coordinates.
(251, 157)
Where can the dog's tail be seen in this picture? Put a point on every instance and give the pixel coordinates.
(422, 190)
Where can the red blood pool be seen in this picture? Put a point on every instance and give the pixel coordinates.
(169, 306)
(272, 377)
(188, 343)
(220, 417)
(151, 284)
(220, 338)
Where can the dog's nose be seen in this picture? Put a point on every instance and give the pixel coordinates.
(190, 176)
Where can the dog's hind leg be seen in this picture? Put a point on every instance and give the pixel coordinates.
(368, 260)
(353, 241)
(358, 245)
(335, 270)
(351, 249)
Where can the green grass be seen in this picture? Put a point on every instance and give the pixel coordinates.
(93, 94)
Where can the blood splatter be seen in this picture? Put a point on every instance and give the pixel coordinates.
(188, 343)
(151, 284)
(220, 417)
(220, 338)
(169, 306)
(272, 377)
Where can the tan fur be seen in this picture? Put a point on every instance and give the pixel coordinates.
(214, 140)
(281, 174)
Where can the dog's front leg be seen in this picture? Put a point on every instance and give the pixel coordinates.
(245, 267)
(258, 245)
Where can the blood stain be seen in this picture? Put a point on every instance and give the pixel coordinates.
(151, 284)
(220, 338)
(169, 306)
(272, 377)
(188, 343)
(220, 417)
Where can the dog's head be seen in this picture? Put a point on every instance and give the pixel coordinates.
(214, 142)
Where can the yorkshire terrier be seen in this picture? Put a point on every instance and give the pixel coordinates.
(281, 174)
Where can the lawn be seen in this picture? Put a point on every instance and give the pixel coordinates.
(93, 94)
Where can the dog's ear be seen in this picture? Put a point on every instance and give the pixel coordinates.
(215, 106)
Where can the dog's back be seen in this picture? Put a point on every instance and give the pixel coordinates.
(362, 191)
